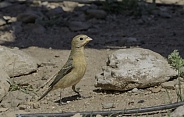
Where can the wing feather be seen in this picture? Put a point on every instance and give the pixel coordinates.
(65, 70)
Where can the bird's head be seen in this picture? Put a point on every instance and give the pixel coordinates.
(80, 41)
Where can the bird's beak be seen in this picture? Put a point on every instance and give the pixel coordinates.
(86, 41)
(89, 39)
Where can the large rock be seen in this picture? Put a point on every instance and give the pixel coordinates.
(16, 62)
(4, 84)
(134, 68)
(179, 112)
(29, 16)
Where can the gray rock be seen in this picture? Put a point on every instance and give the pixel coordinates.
(17, 28)
(179, 112)
(134, 68)
(16, 62)
(2, 21)
(94, 13)
(78, 26)
(4, 84)
(4, 4)
(168, 85)
(27, 17)
(165, 15)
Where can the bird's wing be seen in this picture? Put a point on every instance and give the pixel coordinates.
(65, 70)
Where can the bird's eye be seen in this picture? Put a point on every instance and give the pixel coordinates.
(81, 38)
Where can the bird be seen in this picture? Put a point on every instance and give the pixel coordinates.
(74, 69)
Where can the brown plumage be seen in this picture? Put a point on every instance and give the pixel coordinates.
(74, 69)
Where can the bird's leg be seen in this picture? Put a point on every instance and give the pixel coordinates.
(60, 99)
(60, 102)
(76, 90)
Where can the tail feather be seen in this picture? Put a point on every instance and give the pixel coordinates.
(50, 88)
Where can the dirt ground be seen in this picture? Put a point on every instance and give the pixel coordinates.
(52, 48)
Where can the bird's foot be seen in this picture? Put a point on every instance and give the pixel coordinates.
(78, 90)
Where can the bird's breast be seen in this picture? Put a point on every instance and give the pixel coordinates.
(80, 66)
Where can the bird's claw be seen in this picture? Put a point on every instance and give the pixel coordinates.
(77, 90)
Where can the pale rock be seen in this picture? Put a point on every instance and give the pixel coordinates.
(168, 85)
(77, 115)
(22, 107)
(4, 84)
(182, 69)
(108, 105)
(44, 3)
(135, 90)
(179, 112)
(134, 68)
(7, 36)
(10, 19)
(69, 5)
(36, 105)
(2, 21)
(156, 89)
(16, 62)
(99, 115)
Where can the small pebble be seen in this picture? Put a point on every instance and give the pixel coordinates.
(77, 115)
(141, 101)
(108, 105)
(99, 115)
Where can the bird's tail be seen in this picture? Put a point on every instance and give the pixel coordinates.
(50, 88)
